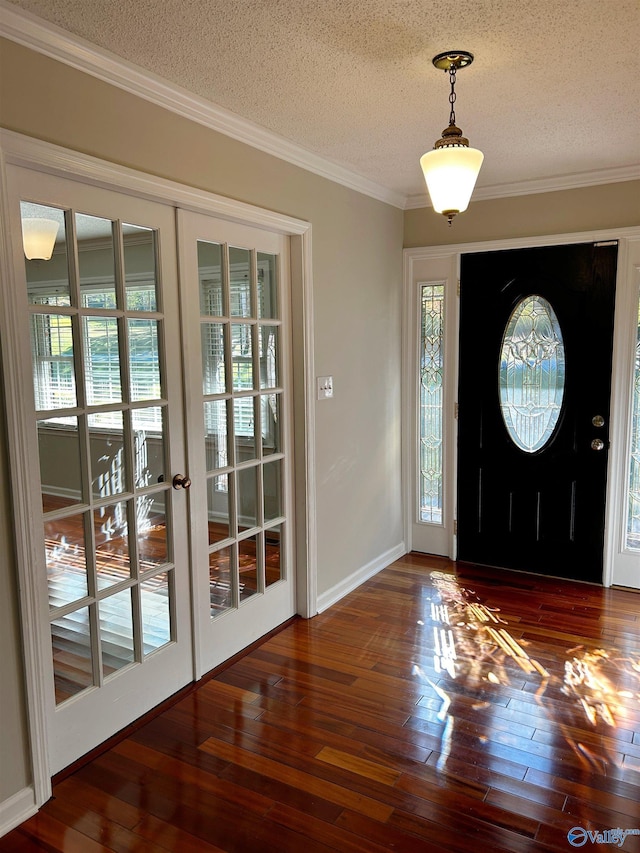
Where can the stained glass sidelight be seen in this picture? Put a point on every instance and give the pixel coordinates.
(531, 375)
(633, 517)
(431, 401)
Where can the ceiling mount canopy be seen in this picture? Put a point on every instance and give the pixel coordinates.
(451, 168)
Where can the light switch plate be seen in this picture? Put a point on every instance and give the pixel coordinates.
(324, 385)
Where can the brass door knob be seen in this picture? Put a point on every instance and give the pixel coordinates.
(597, 444)
(181, 481)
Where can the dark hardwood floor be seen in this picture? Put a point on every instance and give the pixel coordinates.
(439, 707)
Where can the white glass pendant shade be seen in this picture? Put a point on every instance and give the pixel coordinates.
(451, 173)
(38, 238)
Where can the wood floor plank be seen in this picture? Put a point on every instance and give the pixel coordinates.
(438, 708)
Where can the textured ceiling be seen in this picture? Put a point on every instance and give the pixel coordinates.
(554, 89)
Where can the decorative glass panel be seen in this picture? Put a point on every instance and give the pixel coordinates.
(532, 370)
(633, 520)
(431, 401)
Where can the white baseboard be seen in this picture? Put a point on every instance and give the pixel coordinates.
(358, 577)
(17, 809)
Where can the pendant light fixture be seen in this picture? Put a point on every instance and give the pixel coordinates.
(39, 238)
(452, 168)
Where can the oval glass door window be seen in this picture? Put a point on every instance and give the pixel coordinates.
(532, 372)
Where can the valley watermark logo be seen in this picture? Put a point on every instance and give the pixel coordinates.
(578, 836)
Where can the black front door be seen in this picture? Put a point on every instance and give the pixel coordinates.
(536, 334)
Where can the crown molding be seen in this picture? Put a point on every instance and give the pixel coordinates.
(542, 185)
(52, 41)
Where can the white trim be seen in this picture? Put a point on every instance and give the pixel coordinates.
(615, 175)
(619, 401)
(18, 808)
(34, 637)
(355, 579)
(53, 41)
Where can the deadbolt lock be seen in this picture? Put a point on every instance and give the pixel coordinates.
(597, 421)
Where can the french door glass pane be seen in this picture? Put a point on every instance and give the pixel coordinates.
(247, 510)
(60, 462)
(268, 349)
(221, 579)
(116, 631)
(151, 524)
(108, 466)
(102, 360)
(244, 429)
(240, 291)
(431, 401)
(272, 491)
(218, 508)
(213, 367)
(52, 351)
(140, 267)
(47, 283)
(273, 564)
(155, 602)
(148, 445)
(96, 261)
(111, 532)
(215, 434)
(144, 360)
(71, 649)
(66, 560)
(270, 420)
(633, 513)
(267, 286)
(242, 356)
(248, 567)
(211, 284)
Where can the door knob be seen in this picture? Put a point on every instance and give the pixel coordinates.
(181, 481)
(597, 444)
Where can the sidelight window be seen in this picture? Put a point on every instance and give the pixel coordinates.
(431, 401)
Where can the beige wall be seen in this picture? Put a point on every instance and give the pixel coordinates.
(357, 269)
(561, 212)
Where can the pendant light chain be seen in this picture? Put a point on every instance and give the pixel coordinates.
(452, 95)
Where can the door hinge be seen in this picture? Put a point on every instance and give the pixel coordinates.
(455, 411)
(607, 243)
(458, 287)
(455, 527)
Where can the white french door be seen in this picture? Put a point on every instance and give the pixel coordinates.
(235, 310)
(101, 396)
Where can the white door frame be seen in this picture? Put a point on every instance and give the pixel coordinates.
(442, 263)
(19, 150)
